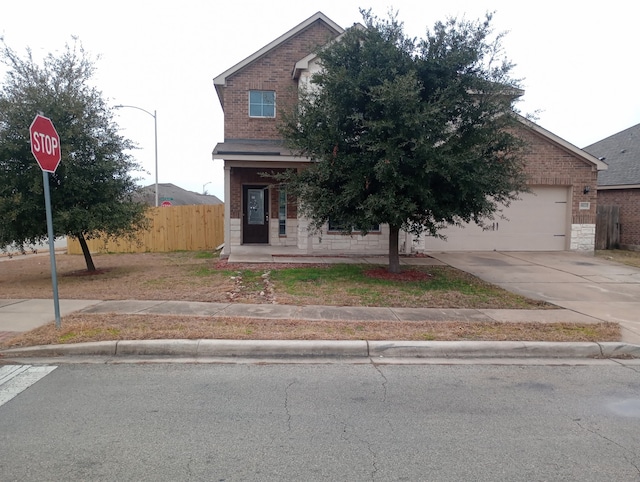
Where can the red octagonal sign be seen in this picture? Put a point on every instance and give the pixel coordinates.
(45, 143)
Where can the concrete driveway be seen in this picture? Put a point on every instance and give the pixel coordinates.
(580, 282)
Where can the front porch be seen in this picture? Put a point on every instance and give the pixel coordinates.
(260, 214)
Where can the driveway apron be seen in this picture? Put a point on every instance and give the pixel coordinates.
(579, 282)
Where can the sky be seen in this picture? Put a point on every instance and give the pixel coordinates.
(577, 61)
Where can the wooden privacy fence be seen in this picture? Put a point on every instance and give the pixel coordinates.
(607, 227)
(171, 228)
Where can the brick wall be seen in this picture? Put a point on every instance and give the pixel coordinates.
(551, 165)
(244, 175)
(545, 164)
(629, 202)
(270, 72)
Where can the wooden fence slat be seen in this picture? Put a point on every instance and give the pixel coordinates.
(607, 227)
(171, 228)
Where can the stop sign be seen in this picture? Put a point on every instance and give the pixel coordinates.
(45, 143)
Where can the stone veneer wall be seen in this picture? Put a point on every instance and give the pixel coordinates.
(290, 239)
(235, 230)
(583, 237)
(337, 243)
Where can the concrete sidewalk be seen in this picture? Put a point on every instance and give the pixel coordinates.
(17, 316)
(23, 315)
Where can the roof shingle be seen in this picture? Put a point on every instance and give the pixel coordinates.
(621, 152)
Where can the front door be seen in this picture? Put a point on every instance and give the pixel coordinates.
(255, 215)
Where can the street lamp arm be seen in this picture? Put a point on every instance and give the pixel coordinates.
(119, 106)
(155, 131)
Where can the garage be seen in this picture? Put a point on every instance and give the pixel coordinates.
(539, 221)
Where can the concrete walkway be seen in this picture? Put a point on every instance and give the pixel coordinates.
(24, 315)
(585, 289)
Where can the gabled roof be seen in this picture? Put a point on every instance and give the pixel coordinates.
(303, 64)
(621, 152)
(221, 79)
(585, 156)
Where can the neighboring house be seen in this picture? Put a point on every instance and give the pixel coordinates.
(559, 214)
(173, 195)
(619, 185)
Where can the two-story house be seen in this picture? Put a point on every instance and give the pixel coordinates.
(558, 214)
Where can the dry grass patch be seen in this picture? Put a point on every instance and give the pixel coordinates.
(140, 276)
(631, 258)
(201, 276)
(103, 327)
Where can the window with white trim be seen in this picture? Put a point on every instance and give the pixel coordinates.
(262, 103)
(282, 212)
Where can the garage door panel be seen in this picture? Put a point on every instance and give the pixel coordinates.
(536, 222)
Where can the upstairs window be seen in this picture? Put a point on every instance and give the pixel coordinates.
(262, 103)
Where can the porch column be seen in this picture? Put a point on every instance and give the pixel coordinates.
(226, 251)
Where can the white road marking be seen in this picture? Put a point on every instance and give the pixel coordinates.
(17, 378)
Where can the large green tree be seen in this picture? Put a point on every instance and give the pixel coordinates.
(416, 134)
(92, 189)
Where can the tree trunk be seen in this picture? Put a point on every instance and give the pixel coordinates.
(394, 256)
(85, 251)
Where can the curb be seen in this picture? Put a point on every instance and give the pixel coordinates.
(328, 348)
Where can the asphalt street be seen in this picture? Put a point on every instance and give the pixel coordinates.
(324, 422)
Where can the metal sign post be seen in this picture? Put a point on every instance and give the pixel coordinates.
(45, 146)
(52, 250)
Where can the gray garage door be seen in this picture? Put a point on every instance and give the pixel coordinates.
(537, 222)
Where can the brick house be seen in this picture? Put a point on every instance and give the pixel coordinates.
(559, 214)
(619, 185)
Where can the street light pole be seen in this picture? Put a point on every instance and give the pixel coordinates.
(155, 131)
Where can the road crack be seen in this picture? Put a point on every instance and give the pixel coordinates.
(625, 449)
(286, 405)
(384, 381)
(346, 436)
(625, 365)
